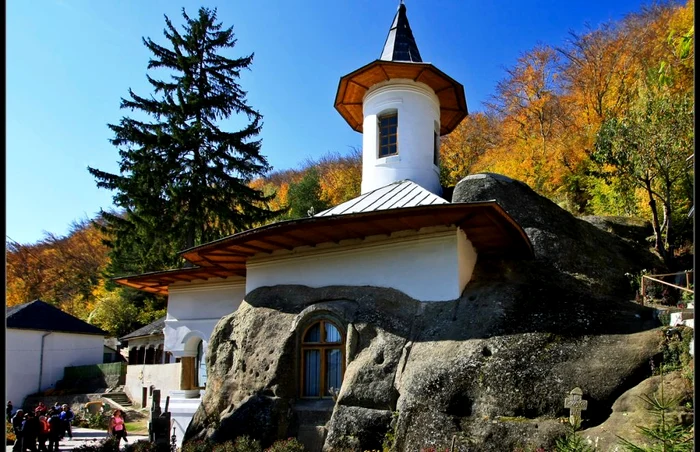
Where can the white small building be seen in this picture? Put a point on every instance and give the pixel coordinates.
(42, 340)
(399, 233)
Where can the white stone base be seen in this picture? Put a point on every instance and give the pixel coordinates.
(183, 405)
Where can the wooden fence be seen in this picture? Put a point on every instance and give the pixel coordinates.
(655, 278)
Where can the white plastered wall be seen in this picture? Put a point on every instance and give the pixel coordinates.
(23, 357)
(429, 266)
(195, 308)
(165, 377)
(418, 111)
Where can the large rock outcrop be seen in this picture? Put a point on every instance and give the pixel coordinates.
(574, 247)
(488, 371)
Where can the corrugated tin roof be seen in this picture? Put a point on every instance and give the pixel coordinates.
(399, 194)
(39, 315)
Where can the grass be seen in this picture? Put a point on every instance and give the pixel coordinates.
(138, 427)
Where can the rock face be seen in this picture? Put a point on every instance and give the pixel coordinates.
(489, 370)
(576, 248)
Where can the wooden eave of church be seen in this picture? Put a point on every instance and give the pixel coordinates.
(490, 229)
(353, 87)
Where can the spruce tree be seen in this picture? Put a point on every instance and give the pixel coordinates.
(183, 181)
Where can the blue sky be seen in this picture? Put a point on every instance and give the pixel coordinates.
(69, 62)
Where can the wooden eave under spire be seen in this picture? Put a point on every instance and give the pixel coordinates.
(489, 228)
(353, 87)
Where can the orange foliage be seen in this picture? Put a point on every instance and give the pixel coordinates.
(59, 270)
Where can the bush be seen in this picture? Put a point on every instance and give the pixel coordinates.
(108, 444)
(676, 348)
(241, 444)
(288, 445)
(9, 433)
(99, 420)
(145, 446)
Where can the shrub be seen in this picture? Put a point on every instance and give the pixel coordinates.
(99, 420)
(197, 446)
(246, 444)
(108, 444)
(287, 445)
(145, 446)
(666, 434)
(676, 348)
(241, 444)
(9, 433)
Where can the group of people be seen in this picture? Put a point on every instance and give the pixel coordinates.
(34, 428)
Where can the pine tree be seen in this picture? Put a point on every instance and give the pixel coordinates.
(183, 181)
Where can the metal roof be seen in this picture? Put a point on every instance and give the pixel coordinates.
(490, 229)
(400, 44)
(403, 193)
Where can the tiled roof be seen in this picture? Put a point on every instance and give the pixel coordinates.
(39, 315)
(400, 44)
(399, 194)
(151, 329)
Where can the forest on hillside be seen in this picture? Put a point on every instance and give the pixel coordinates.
(602, 124)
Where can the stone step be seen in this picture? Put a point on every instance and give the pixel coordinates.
(119, 397)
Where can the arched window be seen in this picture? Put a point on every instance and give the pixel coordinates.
(200, 367)
(388, 132)
(322, 359)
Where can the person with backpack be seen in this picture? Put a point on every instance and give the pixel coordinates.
(55, 430)
(44, 430)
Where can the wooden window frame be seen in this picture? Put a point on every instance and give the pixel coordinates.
(381, 134)
(436, 148)
(322, 347)
(195, 377)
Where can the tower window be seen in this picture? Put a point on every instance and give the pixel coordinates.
(322, 361)
(436, 143)
(436, 148)
(388, 124)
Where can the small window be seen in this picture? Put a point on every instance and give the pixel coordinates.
(322, 363)
(436, 143)
(388, 126)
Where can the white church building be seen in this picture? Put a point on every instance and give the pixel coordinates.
(399, 233)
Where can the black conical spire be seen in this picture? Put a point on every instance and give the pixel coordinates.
(400, 44)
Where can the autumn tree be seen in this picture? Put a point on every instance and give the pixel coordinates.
(62, 270)
(183, 180)
(474, 137)
(304, 197)
(650, 147)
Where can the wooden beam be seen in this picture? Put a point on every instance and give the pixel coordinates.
(358, 84)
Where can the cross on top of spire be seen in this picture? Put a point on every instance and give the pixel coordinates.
(400, 44)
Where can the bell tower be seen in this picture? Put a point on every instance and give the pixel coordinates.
(402, 106)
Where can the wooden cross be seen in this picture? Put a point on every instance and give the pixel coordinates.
(575, 404)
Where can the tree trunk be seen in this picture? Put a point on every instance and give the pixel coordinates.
(658, 244)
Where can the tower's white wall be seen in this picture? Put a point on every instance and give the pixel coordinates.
(418, 110)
